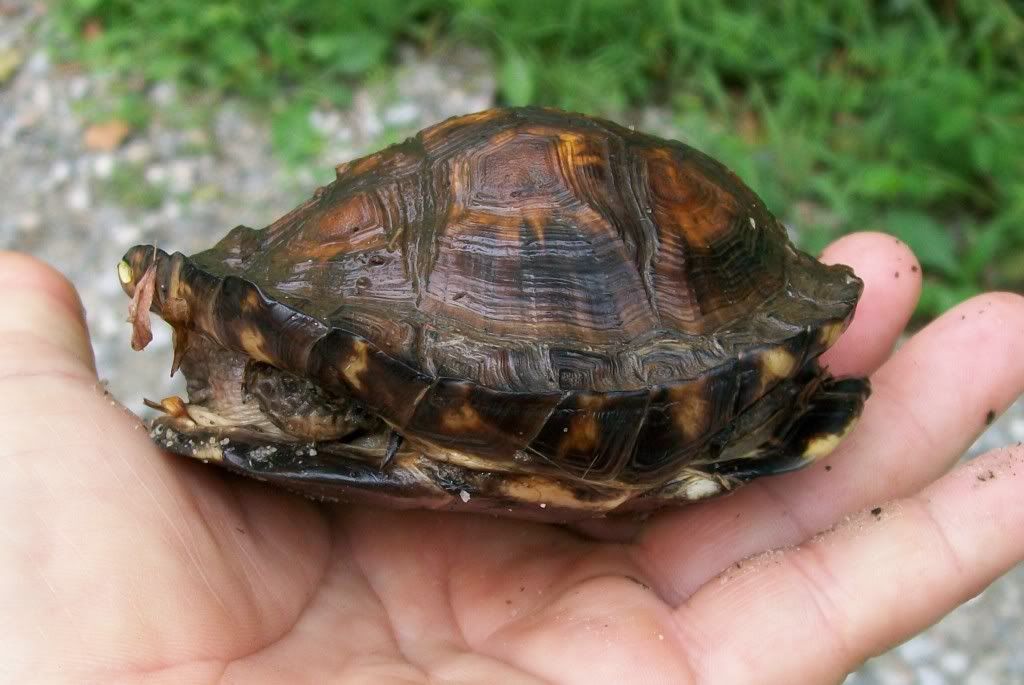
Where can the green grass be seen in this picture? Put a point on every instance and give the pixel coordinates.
(898, 115)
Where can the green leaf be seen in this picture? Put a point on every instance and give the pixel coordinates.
(292, 134)
(937, 297)
(357, 53)
(932, 244)
(516, 79)
(881, 181)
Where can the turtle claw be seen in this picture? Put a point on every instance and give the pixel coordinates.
(180, 342)
(190, 414)
(394, 442)
(173, 406)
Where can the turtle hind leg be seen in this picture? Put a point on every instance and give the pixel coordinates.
(830, 413)
(302, 409)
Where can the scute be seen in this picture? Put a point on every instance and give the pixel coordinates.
(544, 292)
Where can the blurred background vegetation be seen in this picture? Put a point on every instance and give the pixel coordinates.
(899, 115)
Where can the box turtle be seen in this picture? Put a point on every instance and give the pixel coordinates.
(522, 311)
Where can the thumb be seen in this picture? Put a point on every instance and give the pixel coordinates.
(42, 324)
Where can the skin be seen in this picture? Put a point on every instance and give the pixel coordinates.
(122, 564)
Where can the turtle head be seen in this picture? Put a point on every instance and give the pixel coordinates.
(151, 278)
(135, 263)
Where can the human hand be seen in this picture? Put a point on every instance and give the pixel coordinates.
(120, 563)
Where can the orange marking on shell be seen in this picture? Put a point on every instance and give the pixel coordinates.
(340, 228)
(506, 224)
(695, 206)
(691, 413)
(444, 128)
(364, 164)
(537, 220)
(584, 431)
(465, 418)
(504, 137)
(578, 150)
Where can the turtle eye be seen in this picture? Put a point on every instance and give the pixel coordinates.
(124, 272)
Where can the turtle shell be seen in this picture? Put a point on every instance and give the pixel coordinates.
(527, 290)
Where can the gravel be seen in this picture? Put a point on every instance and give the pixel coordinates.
(182, 184)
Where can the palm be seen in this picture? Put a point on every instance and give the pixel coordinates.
(122, 563)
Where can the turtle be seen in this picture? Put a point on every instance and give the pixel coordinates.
(522, 311)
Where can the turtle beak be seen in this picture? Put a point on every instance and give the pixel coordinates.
(134, 265)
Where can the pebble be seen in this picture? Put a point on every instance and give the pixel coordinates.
(400, 114)
(103, 165)
(60, 172)
(181, 176)
(78, 198)
(29, 221)
(954, 663)
(126, 234)
(156, 174)
(918, 649)
(926, 675)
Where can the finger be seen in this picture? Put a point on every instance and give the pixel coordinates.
(43, 324)
(929, 403)
(871, 583)
(892, 286)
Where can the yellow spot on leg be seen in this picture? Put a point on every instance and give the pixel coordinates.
(251, 302)
(254, 343)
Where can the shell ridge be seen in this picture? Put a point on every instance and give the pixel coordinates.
(421, 245)
(635, 177)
